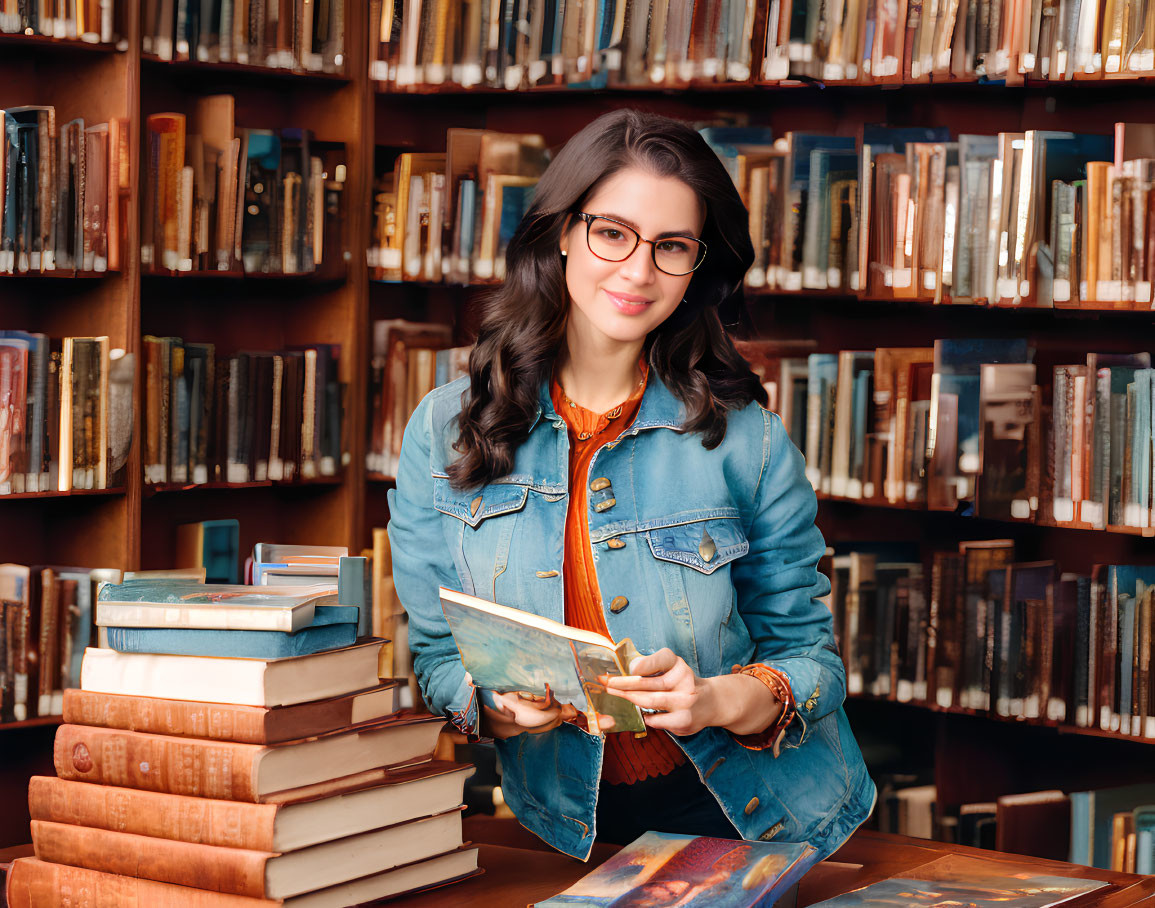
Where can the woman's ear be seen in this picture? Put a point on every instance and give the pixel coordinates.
(563, 243)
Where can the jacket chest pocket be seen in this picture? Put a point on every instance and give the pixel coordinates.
(479, 526)
(692, 561)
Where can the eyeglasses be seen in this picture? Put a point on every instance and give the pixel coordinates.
(613, 241)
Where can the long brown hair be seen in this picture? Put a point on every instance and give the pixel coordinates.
(523, 328)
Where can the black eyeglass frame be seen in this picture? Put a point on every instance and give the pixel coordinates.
(638, 239)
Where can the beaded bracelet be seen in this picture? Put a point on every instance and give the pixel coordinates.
(779, 685)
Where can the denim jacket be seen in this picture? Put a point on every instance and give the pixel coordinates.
(714, 554)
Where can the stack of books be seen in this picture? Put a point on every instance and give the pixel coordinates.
(215, 779)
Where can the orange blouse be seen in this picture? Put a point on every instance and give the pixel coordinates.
(627, 759)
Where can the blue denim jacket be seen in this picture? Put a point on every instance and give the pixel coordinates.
(754, 599)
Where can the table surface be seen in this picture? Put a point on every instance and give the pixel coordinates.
(517, 876)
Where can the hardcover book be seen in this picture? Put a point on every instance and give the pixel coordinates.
(506, 650)
(666, 869)
(1022, 891)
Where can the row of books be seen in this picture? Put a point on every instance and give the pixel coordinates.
(517, 45)
(297, 35)
(871, 41)
(248, 417)
(973, 423)
(65, 413)
(449, 216)
(46, 615)
(1108, 828)
(975, 629)
(289, 778)
(219, 198)
(1037, 218)
(63, 192)
(597, 43)
(409, 360)
(91, 21)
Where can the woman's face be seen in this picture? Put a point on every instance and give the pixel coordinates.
(624, 301)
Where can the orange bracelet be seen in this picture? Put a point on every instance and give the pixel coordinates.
(779, 685)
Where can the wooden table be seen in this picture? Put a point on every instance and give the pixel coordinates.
(518, 876)
(519, 871)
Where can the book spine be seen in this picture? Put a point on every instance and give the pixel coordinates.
(183, 766)
(182, 718)
(34, 883)
(236, 871)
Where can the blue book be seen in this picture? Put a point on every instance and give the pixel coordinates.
(333, 627)
(1092, 813)
(355, 590)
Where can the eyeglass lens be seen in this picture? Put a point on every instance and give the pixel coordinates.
(615, 242)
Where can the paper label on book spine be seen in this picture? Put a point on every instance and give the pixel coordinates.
(1105, 716)
(1061, 290)
(792, 280)
(711, 66)
(854, 683)
(406, 74)
(838, 486)
(853, 488)
(833, 72)
(1143, 291)
(833, 277)
(1064, 509)
(537, 70)
(379, 71)
(756, 277)
(867, 490)
(943, 697)
(815, 476)
(512, 77)
(1109, 290)
(1136, 515)
(901, 277)
(813, 278)
(1091, 512)
(929, 280)
(1149, 727)
(904, 691)
(686, 70)
(737, 72)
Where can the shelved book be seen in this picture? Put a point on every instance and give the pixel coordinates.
(977, 426)
(448, 217)
(296, 35)
(93, 22)
(218, 198)
(64, 190)
(409, 360)
(46, 622)
(65, 413)
(253, 416)
(979, 630)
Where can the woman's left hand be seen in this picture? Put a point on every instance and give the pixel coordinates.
(686, 703)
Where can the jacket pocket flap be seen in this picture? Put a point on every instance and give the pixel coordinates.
(474, 506)
(704, 545)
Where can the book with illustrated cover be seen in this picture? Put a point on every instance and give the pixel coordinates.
(1020, 891)
(506, 650)
(694, 871)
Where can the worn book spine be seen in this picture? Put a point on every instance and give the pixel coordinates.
(184, 718)
(33, 883)
(183, 766)
(236, 871)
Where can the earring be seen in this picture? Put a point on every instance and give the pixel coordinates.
(564, 253)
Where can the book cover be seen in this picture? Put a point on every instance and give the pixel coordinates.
(507, 650)
(666, 869)
(1023, 891)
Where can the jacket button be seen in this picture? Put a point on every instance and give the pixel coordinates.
(600, 483)
(474, 505)
(618, 603)
(752, 806)
(706, 548)
(616, 543)
(771, 832)
(546, 574)
(605, 505)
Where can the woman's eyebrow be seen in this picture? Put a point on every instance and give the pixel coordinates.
(661, 236)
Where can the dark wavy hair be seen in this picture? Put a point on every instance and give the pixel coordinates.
(523, 327)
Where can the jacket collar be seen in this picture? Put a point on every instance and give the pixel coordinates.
(659, 408)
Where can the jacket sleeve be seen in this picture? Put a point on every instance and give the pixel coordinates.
(422, 562)
(779, 586)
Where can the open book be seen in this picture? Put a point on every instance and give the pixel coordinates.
(506, 650)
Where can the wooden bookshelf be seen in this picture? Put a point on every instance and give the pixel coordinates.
(134, 527)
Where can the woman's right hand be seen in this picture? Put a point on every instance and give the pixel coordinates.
(518, 713)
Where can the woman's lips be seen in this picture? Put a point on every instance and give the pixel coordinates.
(628, 303)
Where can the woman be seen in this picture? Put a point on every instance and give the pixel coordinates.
(608, 464)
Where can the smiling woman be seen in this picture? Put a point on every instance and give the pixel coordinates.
(607, 463)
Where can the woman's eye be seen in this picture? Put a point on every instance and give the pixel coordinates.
(612, 233)
(672, 246)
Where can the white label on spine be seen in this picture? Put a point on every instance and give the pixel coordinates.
(1061, 290)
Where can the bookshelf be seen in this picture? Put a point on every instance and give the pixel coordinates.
(133, 526)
